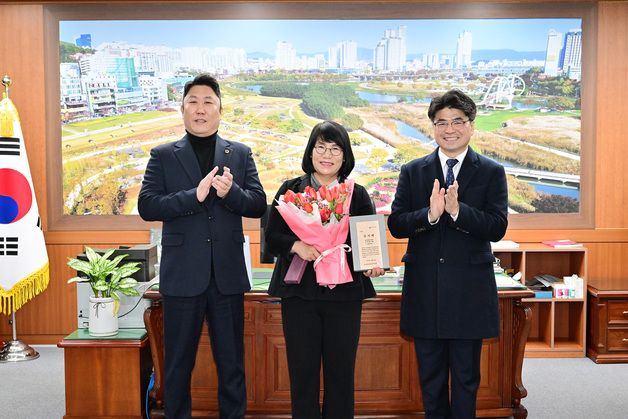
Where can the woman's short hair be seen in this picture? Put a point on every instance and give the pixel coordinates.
(330, 132)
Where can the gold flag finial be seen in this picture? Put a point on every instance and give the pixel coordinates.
(8, 113)
(6, 81)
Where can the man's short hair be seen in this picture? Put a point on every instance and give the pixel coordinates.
(203, 80)
(454, 99)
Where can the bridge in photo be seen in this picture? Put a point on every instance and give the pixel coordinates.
(542, 176)
(501, 91)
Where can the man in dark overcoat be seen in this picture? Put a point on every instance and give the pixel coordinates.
(450, 204)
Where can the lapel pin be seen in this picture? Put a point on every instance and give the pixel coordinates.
(227, 151)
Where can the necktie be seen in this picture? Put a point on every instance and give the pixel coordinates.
(449, 179)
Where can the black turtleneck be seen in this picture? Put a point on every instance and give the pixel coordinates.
(205, 149)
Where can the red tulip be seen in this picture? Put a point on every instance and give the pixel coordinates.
(289, 196)
(338, 209)
(311, 192)
(322, 191)
(307, 207)
(325, 213)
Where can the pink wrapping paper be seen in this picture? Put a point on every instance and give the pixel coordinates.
(331, 267)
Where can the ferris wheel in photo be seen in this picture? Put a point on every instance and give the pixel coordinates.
(502, 90)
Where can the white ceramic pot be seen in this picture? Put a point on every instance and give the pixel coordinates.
(102, 319)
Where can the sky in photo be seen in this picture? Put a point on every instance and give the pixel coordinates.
(315, 36)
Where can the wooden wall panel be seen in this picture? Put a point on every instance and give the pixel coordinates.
(52, 314)
(607, 264)
(22, 59)
(612, 87)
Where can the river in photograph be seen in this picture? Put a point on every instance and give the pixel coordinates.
(381, 99)
(410, 131)
(556, 190)
(257, 88)
(520, 105)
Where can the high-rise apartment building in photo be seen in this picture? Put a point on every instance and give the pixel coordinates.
(552, 54)
(463, 50)
(391, 51)
(571, 54)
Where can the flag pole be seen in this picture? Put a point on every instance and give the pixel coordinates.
(15, 350)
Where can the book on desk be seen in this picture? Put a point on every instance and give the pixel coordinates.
(543, 285)
(505, 282)
(562, 244)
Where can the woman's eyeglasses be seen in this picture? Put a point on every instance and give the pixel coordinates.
(334, 151)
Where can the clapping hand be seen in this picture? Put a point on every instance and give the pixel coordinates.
(451, 200)
(223, 183)
(202, 190)
(437, 202)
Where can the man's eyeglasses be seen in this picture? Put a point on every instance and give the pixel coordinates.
(455, 124)
(321, 149)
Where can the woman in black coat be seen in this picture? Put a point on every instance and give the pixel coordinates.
(319, 322)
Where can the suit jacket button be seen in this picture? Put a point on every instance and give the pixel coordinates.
(209, 240)
(441, 260)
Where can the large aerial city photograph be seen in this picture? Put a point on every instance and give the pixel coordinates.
(121, 86)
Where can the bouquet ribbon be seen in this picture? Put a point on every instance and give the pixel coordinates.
(343, 260)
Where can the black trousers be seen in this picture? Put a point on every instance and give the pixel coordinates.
(436, 359)
(183, 321)
(327, 330)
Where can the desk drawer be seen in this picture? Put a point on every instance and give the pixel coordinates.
(618, 312)
(617, 340)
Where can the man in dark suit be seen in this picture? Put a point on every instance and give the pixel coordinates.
(449, 300)
(200, 187)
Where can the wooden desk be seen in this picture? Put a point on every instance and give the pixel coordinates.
(106, 378)
(386, 372)
(607, 340)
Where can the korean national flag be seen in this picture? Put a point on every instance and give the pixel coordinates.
(23, 259)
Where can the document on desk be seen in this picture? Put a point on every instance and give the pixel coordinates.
(504, 282)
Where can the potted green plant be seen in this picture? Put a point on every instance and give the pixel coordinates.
(107, 279)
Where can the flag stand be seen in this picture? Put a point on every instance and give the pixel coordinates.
(16, 350)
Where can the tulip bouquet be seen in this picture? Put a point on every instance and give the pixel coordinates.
(321, 219)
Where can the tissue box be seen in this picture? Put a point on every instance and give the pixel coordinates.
(561, 290)
(576, 283)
